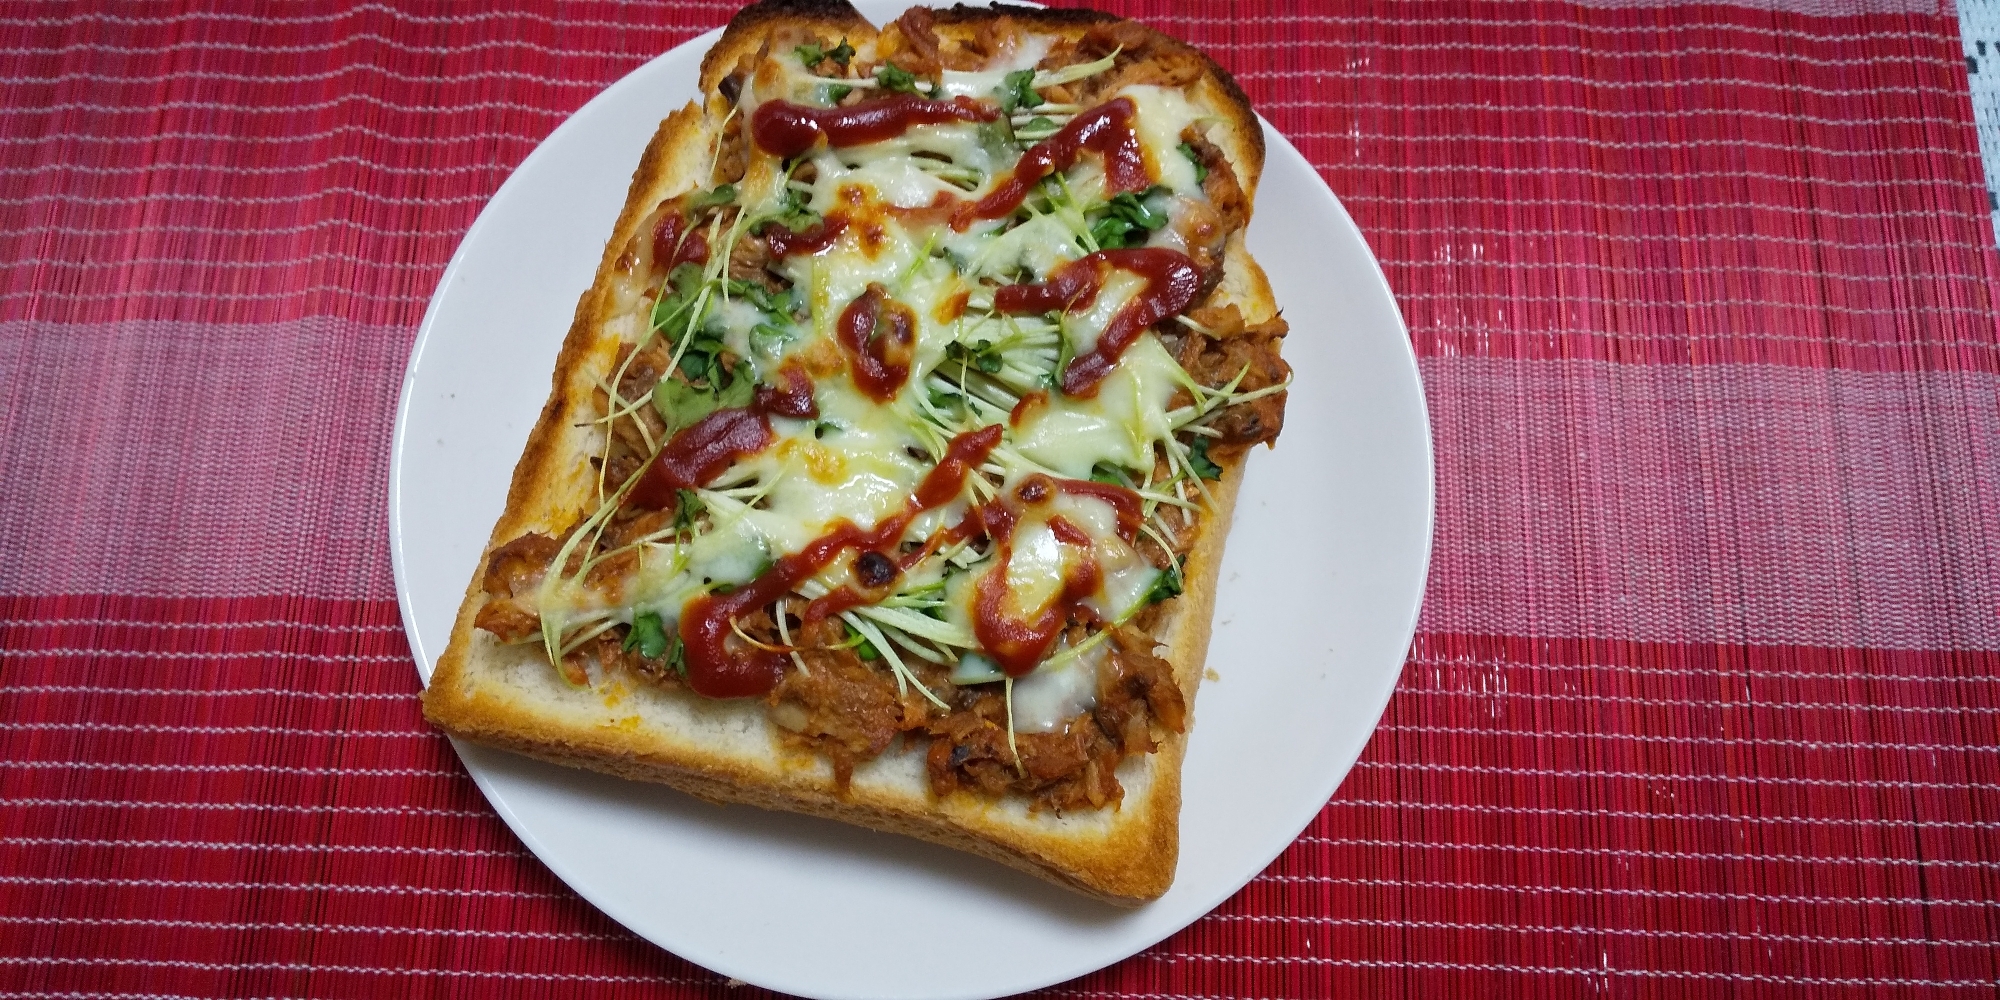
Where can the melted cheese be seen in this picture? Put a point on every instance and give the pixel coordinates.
(1045, 700)
(1082, 329)
(985, 82)
(1036, 246)
(1119, 425)
(1163, 115)
(1125, 577)
(859, 469)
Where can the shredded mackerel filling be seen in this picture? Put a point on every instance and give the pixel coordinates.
(918, 404)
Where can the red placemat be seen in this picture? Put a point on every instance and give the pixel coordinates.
(1704, 699)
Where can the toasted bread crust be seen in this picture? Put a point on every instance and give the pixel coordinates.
(508, 697)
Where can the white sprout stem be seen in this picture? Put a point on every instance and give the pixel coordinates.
(785, 636)
(687, 334)
(615, 403)
(903, 675)
(593, 632)
(905, 620)
(1019, 768)
(1069, 74)
(1185, 321)
(1172, 557)
(1174, 455)
(859, 82)
(912, 646)
(1163, 498)
(628, 408)
(736, 627)
(990, 391)
(1189, 418)
(552, 631)
(715, 160)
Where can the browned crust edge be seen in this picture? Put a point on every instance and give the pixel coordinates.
(1133, 866)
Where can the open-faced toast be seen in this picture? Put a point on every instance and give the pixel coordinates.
(888, 462)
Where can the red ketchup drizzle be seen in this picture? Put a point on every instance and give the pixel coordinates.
(1019, 645)
(1172, 282)
(784, 129)
(1105, 130)
(700, 452)
(706, 448)
(834, 603)
(814, 238)
(1067, 533)
(1123, 501)
(1070, 287)
(675, 244)
(1026, 407)
(792, 396)
(880, 335)
(716, 671)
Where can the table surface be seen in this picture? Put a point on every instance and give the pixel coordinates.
(1704, 696)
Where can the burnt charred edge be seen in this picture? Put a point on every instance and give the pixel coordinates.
(834, 14)
(837, 11)
(1046, 17)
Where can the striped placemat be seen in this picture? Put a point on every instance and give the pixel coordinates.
(1705, 699)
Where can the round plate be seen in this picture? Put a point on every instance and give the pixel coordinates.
(1318, 601)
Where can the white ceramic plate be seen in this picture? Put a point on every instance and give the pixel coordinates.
(1318, 601)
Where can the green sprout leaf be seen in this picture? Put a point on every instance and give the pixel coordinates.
(943, 401)
(1110, 232)
(687, 507)
(837, 92)
(1105, 472)
(862, 647)
(1129, 207)
(1018, 91)
(997, 139)
(1198, 460)
(980, 354)
(678, 295)
(742, 387)
(770, 340)
(681, 404)
(811, 55)
(1200, 169)
(648, 636)
(1167, 584)
(1127, 220)
(794, 210)
(754, 293)
(723, 194)
(894, 77)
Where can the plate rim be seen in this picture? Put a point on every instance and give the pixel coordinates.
(557, 861)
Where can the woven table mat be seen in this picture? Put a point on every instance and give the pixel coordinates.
(1704, 696)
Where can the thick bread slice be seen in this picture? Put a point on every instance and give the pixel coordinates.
(509, 697)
